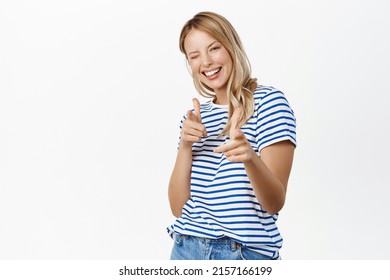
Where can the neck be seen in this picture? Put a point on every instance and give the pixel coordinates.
(220, 98)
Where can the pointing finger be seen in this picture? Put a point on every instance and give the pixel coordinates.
(235, 120)
(194, 123)
(196, 104)
(227, 147)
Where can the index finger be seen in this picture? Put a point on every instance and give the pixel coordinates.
(235, 120)
(196, 104)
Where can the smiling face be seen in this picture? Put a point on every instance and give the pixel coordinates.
(209, 60)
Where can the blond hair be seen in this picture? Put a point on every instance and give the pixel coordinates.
(240, 85)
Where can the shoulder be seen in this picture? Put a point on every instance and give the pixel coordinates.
(271, 100)
(207, 106)
(264, 94)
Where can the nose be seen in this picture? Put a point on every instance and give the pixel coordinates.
(206, 60)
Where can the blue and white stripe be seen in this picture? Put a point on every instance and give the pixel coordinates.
(222, 201)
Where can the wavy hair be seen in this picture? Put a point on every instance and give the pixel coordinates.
(240, 85)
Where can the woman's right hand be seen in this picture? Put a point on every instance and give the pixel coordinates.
(192, 128)
(180, 182)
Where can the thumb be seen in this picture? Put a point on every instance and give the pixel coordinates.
(191, 116)
(196, 105)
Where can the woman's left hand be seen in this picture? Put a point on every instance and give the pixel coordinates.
(238, 148)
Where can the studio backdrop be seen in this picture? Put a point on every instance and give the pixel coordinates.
(92, 93)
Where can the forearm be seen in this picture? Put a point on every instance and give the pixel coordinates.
(179, 184)
(269, 190)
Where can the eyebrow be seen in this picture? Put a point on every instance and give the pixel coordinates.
(207, 47)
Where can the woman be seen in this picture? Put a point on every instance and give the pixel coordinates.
(235, 153)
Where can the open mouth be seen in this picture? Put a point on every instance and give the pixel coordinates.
(212, 72)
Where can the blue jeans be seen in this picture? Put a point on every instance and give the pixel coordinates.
(196, 248)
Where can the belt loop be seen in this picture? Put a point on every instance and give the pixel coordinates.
(233, 245)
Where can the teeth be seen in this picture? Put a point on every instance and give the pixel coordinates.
(210, 73)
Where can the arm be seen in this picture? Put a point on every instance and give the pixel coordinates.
(269, 173)
(179, 184)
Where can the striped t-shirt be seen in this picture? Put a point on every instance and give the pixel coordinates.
(222, 201)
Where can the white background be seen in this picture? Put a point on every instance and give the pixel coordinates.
(91, 94)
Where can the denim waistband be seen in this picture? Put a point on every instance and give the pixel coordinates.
(220, 241)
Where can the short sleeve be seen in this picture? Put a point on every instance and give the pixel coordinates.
(275, 119)
(183, 118)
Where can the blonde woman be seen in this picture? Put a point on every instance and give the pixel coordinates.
(235, 152)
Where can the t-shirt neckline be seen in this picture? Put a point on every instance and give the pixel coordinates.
(221, 106)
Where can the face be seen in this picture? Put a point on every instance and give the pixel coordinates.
(210, 62)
